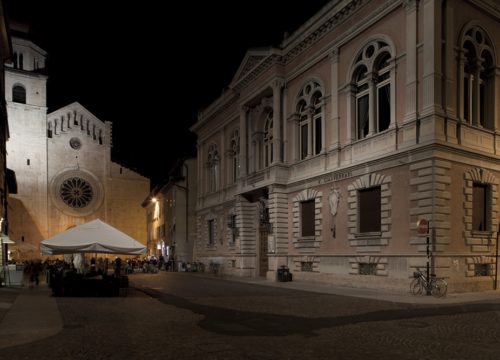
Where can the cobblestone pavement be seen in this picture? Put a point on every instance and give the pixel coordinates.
(179, 316)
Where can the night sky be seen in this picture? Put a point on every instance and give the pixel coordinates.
(150, 66)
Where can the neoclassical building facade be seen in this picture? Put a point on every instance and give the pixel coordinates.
(62, 161)
(327, 150)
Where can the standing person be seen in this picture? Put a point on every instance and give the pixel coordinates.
(118, 266)
(37, 269)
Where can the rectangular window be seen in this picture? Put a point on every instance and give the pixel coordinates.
(480, 269)
(480, 207)
(317, 135)
(367, 269)
(466, 98)
(211, 232)
(306, 266)
(234, 230)
(304, 138)
(384, 107)
(482, 112)
(307, 217)
(369, 202)
(362, 114)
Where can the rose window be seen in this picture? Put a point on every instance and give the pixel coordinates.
(76, 192)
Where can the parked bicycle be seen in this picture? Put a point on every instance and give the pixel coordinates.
(421, 285)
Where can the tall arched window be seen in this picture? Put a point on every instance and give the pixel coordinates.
(14, 60)
(310, 115)
(268, 139)
(213, 168)
(371, 88)
(477, 78)
(235, 156)
(19, 94)
(49, 129)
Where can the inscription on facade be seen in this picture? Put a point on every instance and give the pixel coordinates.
(335, 177)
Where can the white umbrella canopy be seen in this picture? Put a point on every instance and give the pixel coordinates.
(95, 237)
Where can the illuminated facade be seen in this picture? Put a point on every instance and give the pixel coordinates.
(326, 150)
(62, 161)
(171, 214)
(5, 55)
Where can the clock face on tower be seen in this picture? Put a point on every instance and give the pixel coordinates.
(75, 143)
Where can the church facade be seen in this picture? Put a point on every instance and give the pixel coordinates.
(62, 161)
(329, 153)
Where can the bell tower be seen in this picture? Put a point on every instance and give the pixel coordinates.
(26, 97)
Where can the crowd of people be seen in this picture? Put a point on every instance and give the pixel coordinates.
(36, 269)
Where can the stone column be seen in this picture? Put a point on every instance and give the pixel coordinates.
(372, 115)
(277, 123)
(243, 141)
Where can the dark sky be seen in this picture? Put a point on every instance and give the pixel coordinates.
(150, 66)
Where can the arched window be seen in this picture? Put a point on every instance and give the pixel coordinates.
(213, 168)
(49, 129)
(477, 80)
(268, 139)
(235, 156)
(19, 94)
(310, 115)
(371, 89)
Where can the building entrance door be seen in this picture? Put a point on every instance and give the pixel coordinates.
(263, 259)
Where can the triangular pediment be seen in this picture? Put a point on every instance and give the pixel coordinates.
(75, 108)
(252, 59)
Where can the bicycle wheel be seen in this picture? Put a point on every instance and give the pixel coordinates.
(416, 287)
(439, 288)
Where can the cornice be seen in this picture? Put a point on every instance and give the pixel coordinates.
(269, 61)
(492, 7)
(309, 34)
(299, 42)
(214, 110)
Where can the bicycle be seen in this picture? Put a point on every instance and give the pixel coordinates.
(436, 286)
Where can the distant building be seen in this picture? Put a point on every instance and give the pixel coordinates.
(170, 210)
(62, 160)
(327, 150)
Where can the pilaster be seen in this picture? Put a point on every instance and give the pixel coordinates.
(277, 121)
(334, 65)
(278, 216)
(411, 60)
(243, 141)
(432, 75)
